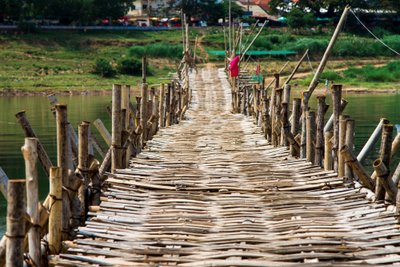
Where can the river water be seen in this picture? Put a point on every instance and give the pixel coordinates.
(365, 109)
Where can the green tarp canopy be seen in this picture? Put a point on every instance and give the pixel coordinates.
(258, 53)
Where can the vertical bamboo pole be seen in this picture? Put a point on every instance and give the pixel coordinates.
(328, 160)
(349, 142)
(125, 100)
(168, 106)
(144, 71)
(342, 140)
(319, 143)
(29, 151)
(278, 125)
(16, 209)
(62, 162)
(336, 100)
(295, 122)
(56, 216)
(329, 123)
(303, 134)
(83, 156)
(310, 155)
(162, 106)
(385, 153)
(116, 142)
(286, 100)
(267, 119)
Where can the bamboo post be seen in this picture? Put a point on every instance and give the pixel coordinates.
(144, 71)
(303, 133)
(372, 140)
(342, 140)
(125, 100)
(350, 144)
(295, 127)
(336, 100)
(319, 142)
(16, 209)
(267, 120)
(62, 159)
(28, 132)
(382, 173)
(328, 161)
(276, 131)
(29, 151)
(55, 218)
(395, 178)
(243, 106)
(103, 131)
(385, 153)
(168, 106)
(116, 132)
(162, 106)
(357, 168)
(255, 105)
(3, 183)
(310, 150)
(286, 100)
(83, 157)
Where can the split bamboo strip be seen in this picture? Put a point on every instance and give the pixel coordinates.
(29, 151)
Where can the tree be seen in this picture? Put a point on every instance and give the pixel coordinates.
(297, 19)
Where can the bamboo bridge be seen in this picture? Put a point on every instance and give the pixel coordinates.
(211, 191)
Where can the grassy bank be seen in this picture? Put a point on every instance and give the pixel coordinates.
(65, 60)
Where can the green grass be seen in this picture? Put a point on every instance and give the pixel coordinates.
(64, 61)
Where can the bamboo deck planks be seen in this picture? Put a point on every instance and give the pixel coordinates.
(211, 192)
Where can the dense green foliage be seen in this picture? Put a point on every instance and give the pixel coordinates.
(104, 68)
(130, 66)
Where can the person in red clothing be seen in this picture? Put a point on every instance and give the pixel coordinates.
(234, 66)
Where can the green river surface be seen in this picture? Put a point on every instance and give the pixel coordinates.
(366, 109)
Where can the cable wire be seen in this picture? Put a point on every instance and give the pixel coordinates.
(376, 37)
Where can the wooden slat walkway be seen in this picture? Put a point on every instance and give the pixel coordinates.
(211, 192)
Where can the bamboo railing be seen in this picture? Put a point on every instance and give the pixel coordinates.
(77, 178)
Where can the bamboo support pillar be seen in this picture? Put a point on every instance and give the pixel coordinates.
(357, 168)
(385, 153)
(103, 131)
(303, 136)
(56, 216)
(328, 161)
(342, 140)
(28, 132)
(16, 209)
(310, 136)
(276, 131)
(267, 120)
(162, 106)
(295, 127)
(319, 139)
(329, 123)
(62, 159)
(116, 132)
(125, 107)
(168, 106)
(83, 158)
(29, 151)
(286, 100)
(350, 124)
(336, 100)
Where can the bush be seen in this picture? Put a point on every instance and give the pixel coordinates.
(104, 68)
(160, 50)
(130, 66)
